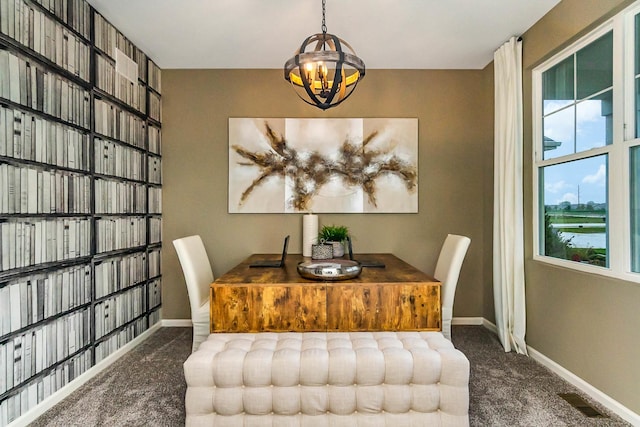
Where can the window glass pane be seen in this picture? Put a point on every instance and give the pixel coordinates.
(595, 66)
(635, 209)
(558, 133)
(594, 122)
(637, 74)
(557, 84)
(637, 107)
(575, 210)
(637, 43)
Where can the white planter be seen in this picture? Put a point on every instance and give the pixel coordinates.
(338, 249)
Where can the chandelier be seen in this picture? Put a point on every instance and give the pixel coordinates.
(325, 74)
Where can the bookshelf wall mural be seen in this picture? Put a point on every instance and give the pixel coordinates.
(80, 196)
(323, 165)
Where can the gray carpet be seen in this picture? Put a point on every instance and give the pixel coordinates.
(146, 388)
(509, 389)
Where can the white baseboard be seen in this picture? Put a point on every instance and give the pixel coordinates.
(176, 323)
(467, 321)
(58, 396)
(479, 321)
(597, 395)
(490, 326)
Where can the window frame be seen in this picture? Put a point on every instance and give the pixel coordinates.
(618, 152)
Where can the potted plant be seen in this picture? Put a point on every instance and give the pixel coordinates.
(335, 235)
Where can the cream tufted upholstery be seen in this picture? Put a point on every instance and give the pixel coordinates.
(321, 379)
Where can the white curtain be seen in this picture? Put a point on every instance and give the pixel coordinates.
(508, 239)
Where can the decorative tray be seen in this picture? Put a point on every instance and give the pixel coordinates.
(330, 269)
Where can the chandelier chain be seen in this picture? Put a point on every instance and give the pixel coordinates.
(324, 24)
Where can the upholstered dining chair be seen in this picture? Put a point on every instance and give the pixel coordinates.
(447, 272)
(198, 275)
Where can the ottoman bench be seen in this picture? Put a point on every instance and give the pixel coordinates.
(327, 379)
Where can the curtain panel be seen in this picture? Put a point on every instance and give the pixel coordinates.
(508, 233)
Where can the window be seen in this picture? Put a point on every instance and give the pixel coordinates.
(586, 169)
(574, 229)
(635, 209)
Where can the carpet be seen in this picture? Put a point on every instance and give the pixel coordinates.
(509, 389)
(146, 387)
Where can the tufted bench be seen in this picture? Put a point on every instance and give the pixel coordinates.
(327, 379)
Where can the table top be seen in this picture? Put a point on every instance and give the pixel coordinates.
(395, 271)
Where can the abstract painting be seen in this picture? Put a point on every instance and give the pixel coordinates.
(350, 165)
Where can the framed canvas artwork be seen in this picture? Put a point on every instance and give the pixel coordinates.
(350, 165)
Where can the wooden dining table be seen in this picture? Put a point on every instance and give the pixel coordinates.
(398, 297)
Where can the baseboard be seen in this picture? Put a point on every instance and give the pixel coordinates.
(597, 395)
(58, 396)
(176, 323)
(467, 321)
(479, 321)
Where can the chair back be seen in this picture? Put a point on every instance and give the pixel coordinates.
(448, 267)
(196, 268)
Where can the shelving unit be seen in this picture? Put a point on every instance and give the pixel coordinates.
(81, 196)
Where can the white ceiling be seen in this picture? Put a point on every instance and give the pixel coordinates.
(400, 34)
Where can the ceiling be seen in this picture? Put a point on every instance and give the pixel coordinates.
(386, 34)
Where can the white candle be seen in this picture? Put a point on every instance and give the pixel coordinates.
(309, 233)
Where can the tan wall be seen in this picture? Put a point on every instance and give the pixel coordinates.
(588, 324)
(455, 119)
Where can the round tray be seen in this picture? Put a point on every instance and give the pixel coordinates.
(329, 269)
